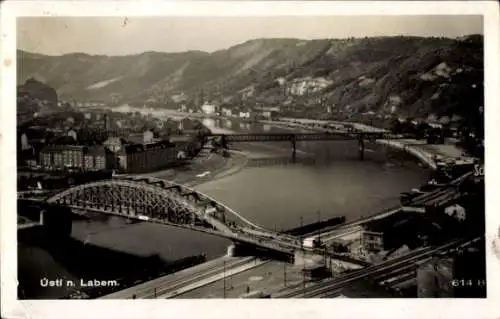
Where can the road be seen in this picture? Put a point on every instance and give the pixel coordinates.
(185, 280)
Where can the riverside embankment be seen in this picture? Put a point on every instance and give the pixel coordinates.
(206, 167)
(428, 154)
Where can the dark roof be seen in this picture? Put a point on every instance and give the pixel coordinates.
(115, 140)
(382, 224)
(35, 133)
(64, 140)
(60, 148)
(134, 148)
(136, 135)
(95, 150)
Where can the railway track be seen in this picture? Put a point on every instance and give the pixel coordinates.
(332, 287)
(171, 283)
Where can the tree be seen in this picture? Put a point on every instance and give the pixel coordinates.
(396, 126)
(181, 155)
(422, 130)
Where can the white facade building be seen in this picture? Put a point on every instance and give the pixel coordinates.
(208, 108)
(114, 144)
(245, 115)
(456, 211)
(227, 111)
(72, 133)
(24, 142)
(148, 137)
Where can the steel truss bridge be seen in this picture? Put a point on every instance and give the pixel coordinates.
(332, 135)
(298, 137)
(164, 202)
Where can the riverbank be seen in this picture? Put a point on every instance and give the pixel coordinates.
(429, 154)
(205, 168)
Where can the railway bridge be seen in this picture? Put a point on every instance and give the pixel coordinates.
(164, 202)
(332, 135)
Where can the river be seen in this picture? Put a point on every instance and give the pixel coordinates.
(274, 195)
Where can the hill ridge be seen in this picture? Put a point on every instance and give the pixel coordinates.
(402, 75)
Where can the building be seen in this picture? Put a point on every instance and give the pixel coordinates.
(34, 135)
(135, 138)
(208, 108)
(146, 157)
(141, 138)
(72, 133)
(434, 278)
(456, 211)
(170, 125)
(97, 158)
(226, 111)
(186, 143)
(244, 115)
(177, 138)
(31, 162)
(187, 124)
(268, 112)
(114, 144)
(54, 157)
(24, 142)
(393, 231)
(148, 136)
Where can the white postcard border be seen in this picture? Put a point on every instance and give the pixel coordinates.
(351, 308)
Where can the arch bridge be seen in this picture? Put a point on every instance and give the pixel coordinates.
(164, 202)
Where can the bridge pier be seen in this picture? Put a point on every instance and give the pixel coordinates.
(56, 222)
(245, 250)
(241, 250)
(305, 259)
(361, 147)
(238, 250)
(294, 147)
(223, 141)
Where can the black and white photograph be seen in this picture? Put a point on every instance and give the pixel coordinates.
(245, 157)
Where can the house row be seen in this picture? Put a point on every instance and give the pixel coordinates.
(91, 158)
(129, 158)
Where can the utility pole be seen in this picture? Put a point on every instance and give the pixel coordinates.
(325, 255)
(284, 273)
(319, 220)
(303, 263)
(301, 241)
(303, 280)
(224, 279)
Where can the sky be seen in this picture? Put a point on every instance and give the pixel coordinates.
(122, 36)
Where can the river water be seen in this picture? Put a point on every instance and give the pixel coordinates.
(274, 195)
(327, 178)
